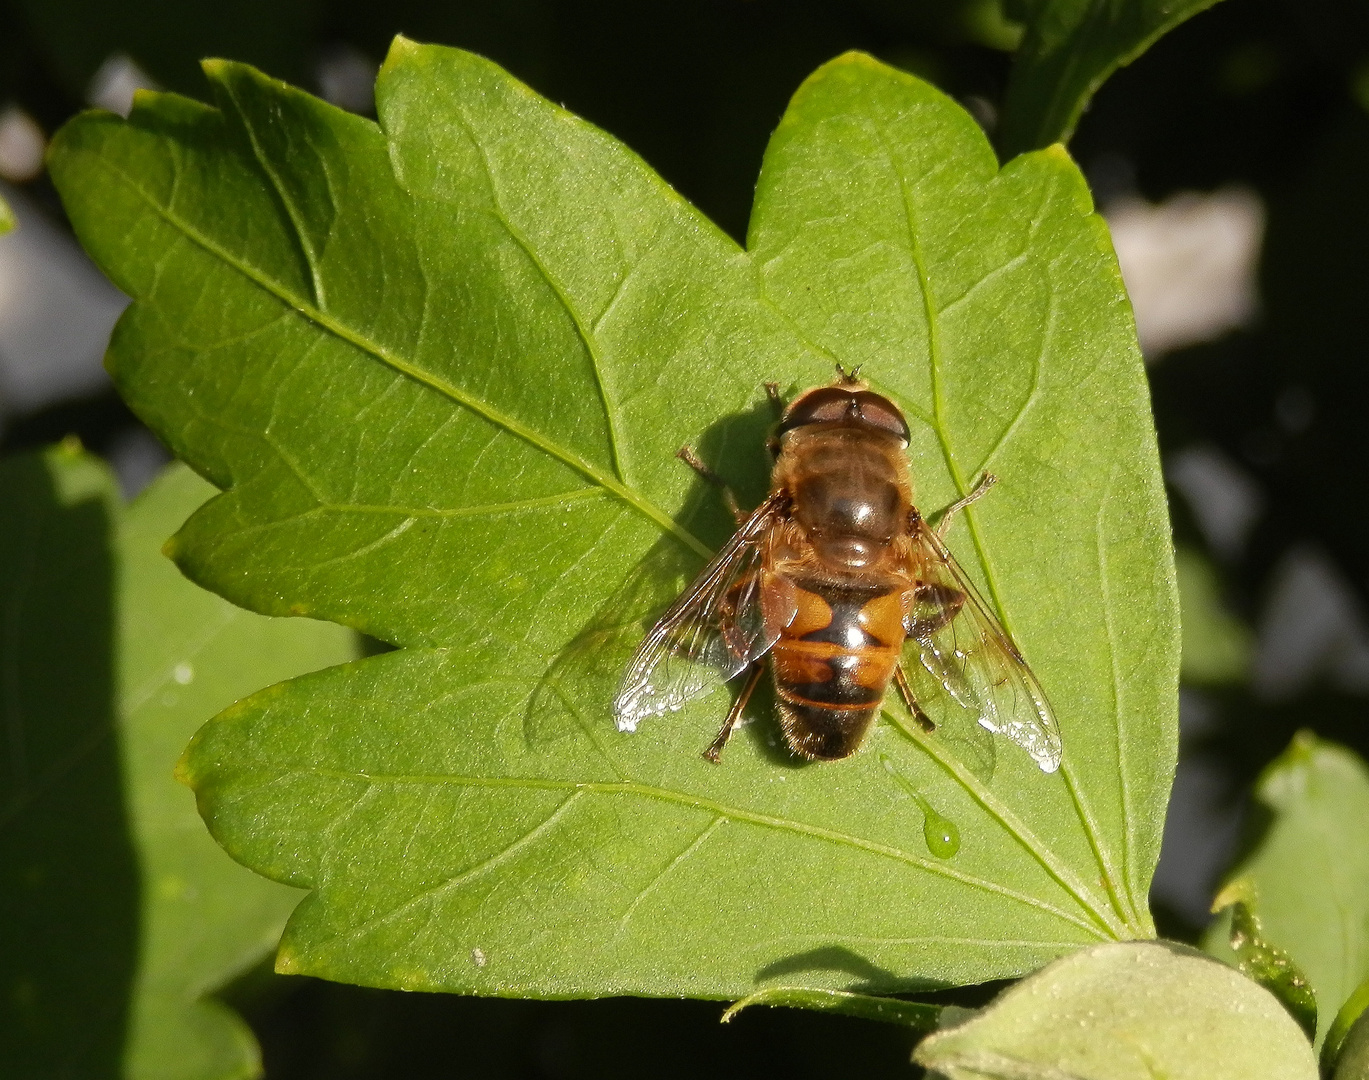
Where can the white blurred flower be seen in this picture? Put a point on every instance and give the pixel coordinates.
(56, 312)
(1312, 626)
(22, 144)
(1225, 499)
(1189, 263)
(116, 81)
(347, 78)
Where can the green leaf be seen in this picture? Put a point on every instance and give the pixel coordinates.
(120, 914)
(1262, 961)
(1312, 804)
(185, 654)
(913, 1014)
(6, 217)
(1126, 1012)
(441, 366)
(1348, 1020)
(1352, 1060)
(1217, 646)
(69, 900)
(1068, 51)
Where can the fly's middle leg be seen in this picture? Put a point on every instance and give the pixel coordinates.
(691, 459)
(978, 492)
(734, 714)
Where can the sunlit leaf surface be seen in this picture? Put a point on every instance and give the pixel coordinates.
(440, 365)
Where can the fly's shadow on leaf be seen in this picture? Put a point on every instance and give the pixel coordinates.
(868, 976)
(576, 692)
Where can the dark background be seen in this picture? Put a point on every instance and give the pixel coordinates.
(1269, 94)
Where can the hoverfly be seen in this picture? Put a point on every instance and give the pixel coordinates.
(838, 578)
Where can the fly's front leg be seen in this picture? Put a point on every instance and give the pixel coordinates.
(691, 459)
(905, 691)
(734, 714)
(979, 491)
(772, 391)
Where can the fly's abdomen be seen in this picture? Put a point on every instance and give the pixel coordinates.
(833, 663)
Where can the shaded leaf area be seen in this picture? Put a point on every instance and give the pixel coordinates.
(1217, 645)
(1130, 1011)
(69, 906)
(1345, 1024)
(1352, 1053)
(440, 366)
(1069, 49)
(123, 913)
(185, 653)
(6, 217)
(1309, 868)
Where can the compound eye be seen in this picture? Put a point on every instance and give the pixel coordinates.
(826, 404)
(880, 412)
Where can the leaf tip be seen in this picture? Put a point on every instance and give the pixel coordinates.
(287, 963)
(183, 773)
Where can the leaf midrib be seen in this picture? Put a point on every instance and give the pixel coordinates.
(405, 367)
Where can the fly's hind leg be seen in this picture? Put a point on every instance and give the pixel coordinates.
(734, 714)
(905, 691)
(691, 459)
(978, 492)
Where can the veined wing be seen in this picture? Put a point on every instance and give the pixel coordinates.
(711, 633)
(961, 646)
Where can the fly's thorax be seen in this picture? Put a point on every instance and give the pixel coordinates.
(850, 491)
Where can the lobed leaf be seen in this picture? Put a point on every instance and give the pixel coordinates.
(1068, 51)
(440, 365)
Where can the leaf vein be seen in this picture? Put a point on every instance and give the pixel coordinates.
(639, 790)
(690, 850)
(421, 376)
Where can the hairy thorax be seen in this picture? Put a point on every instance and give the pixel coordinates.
(850, 491)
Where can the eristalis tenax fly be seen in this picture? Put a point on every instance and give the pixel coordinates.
(839, 580)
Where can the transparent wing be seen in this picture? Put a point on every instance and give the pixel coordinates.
(711, 633)
(968, 654)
